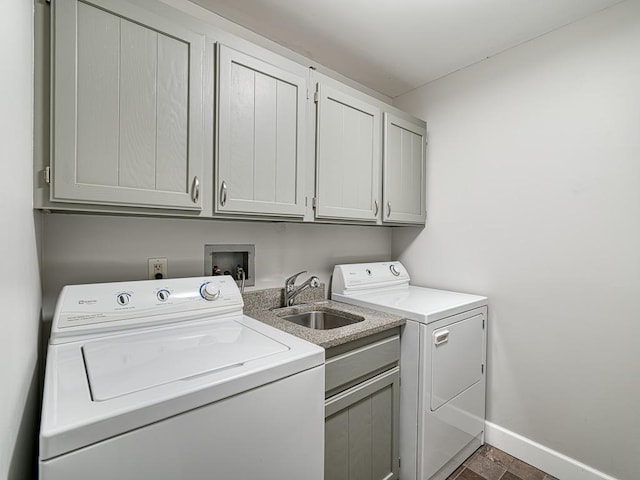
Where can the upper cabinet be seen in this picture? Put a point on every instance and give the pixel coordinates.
(155, 112)
(127, 107)
(261, 137)
(348, 143)
(404, 177)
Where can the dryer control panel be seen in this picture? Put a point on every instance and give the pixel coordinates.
(94, 308)
(358, 277)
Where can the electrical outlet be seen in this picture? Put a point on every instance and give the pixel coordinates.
(157, 268)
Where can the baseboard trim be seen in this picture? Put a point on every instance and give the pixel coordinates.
(544, 458)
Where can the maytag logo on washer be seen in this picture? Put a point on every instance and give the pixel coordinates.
(87, 302)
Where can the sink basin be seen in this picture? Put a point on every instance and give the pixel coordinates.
(322, 319)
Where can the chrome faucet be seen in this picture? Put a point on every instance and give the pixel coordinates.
(291, 291)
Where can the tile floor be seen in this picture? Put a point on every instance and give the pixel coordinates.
(489, 463)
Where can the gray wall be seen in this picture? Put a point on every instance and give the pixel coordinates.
(534, 200)
(89, 249)
(19, 282)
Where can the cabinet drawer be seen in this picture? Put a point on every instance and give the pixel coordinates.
(360, 362)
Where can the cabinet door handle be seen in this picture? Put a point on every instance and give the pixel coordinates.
(388, 209)
(441, 337)
(223, 194)
(195, 190)
(375, 206)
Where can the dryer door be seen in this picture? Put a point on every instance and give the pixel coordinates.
(456, 358)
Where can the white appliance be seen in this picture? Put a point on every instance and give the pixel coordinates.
(167, 379)
(442, 364)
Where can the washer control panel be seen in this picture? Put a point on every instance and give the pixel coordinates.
(144, 302)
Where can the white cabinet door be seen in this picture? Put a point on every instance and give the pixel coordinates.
(404, 172)
(127, 107)
(348, 159)
(261, 123)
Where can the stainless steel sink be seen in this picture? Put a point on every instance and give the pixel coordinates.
(322, 319)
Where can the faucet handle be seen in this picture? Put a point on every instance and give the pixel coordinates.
(290, 282)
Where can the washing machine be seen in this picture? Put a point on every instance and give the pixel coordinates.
(167, 379)
(442, 364)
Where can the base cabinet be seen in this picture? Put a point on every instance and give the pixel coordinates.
(362, 413)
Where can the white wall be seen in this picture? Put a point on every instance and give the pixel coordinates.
(88, 249)
(221, 22)
(19, 282)
(534, 199)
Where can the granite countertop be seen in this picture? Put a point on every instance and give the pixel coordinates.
(374, 322)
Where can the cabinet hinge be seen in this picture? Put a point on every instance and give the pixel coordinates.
(426, 138)
(398, 463)
(482, 368)
(314, 202)
(483, 323)
(46, 175)
(316, 97)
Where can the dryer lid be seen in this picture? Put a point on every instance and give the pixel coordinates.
(125, 364)
(419, 304)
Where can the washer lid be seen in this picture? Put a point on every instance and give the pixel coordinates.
(127, 364)
(126, 381)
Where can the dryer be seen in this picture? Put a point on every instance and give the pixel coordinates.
(442, 364)
(167, 379)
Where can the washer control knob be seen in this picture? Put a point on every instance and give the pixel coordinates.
(209, 292)
(163, 295)
(123, 299)
(394, 269)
